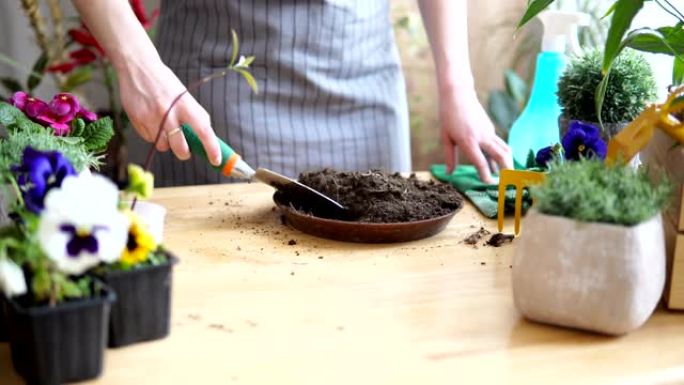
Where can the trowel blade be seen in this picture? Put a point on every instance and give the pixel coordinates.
(301, 195)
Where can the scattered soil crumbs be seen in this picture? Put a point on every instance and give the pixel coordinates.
(475, 237)
(291, 242)
(498, 239)
(380, 197)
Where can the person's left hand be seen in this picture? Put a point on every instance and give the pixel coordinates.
(466, 127)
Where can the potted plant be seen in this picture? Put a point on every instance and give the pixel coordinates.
(631, 87)
(142, 276)
(66, 223)
(62, 125)
(600, 264)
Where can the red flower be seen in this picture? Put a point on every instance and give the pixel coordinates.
(140, 12)
(63, 68)
(83, 56)
(85, 38)
(80, 57)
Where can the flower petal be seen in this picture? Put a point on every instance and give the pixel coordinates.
(12, 280)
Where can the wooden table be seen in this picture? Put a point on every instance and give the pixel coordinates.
(250, 309)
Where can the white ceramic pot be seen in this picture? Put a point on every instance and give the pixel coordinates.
(154, 215)
(592, 276)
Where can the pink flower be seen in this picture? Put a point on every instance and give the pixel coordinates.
(87, 115)
(60, 112)
(32, 107)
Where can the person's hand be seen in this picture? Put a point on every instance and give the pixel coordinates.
(147, 91)
(466, 128)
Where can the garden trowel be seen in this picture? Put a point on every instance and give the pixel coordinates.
(299, 195)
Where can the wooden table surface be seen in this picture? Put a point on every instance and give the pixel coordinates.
(250, 309)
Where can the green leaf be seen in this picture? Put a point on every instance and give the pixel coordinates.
(77, 127)
(625, 10)
(531, 160)
(9, 115)
(601, 96)
(663, 40)
(609, 11)
(250, 80)
(678, 71)
(534, 7)
(516, 87)
(77, 78)
(236, 48)
(503, 109)
(36, 75)
(97, 134)
(11, 85)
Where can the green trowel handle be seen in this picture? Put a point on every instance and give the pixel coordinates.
(228, 156)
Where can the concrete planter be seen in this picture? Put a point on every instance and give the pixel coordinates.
(592, 276)
(664, 155)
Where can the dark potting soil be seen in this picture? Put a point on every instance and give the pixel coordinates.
(499, 239)
(380, 197)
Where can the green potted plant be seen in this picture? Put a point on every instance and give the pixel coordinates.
(61, 124)
(142, 277)
(631, 87)
(66, 223)
(592, 255)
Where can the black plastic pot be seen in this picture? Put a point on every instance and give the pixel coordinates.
(55, 345)
(142, 311)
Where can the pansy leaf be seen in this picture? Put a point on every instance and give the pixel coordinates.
(97, 134)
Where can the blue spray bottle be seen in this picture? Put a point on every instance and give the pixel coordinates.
(537, 125)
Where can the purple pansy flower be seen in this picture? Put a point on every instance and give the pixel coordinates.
(32, 107)
(548, 154)
(81, 241)
(38, 173)
(544, 156)
(583, 140)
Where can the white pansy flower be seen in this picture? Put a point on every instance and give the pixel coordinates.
(81, 224)
(12, 281)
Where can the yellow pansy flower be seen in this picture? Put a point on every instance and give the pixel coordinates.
(140, 242)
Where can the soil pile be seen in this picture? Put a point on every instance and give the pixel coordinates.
(379, 197)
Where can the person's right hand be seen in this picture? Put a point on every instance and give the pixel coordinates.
(146, 94)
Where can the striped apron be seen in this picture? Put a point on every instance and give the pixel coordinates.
(331, 94)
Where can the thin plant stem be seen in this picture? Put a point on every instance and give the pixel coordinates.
(58, 26)
(153, 146)
(32, 9)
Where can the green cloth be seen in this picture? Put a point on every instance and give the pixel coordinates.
(484, 196)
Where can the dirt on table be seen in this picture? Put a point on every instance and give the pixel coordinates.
(499, 239)
(475, 237)
(380, 197)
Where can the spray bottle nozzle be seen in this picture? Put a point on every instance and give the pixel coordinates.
(560, 30)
